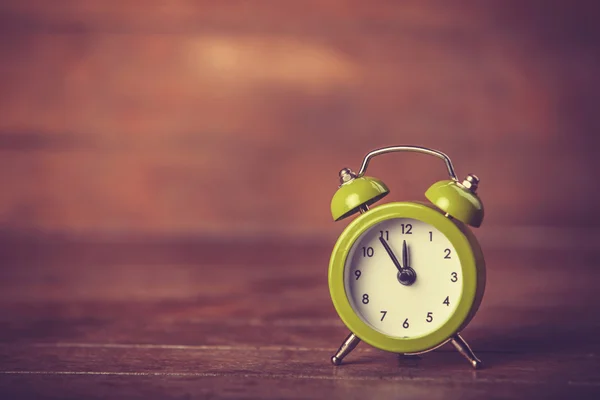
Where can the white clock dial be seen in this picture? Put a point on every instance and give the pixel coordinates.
(375, 292)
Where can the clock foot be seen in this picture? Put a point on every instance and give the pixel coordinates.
(464, 349)
(349, 344)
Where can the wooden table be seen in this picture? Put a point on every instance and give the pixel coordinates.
(206, 318)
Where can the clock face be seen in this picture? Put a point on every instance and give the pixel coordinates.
(383, 291)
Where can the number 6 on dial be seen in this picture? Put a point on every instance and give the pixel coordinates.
(421, 269)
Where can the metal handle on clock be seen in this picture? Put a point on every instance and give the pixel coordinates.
(415, 149)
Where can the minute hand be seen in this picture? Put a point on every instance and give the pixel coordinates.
(388, 249)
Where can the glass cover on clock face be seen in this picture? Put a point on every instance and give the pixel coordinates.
(386, 294)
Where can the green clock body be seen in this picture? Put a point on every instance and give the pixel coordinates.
(364, 281)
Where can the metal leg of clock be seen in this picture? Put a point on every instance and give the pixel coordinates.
(464, 349)
(349, 344)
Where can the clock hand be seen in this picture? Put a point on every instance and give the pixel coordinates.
(388, 249)
(405, 255)
(406, 275)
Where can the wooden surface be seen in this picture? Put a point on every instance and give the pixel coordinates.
(166, 170)
(197, 117)
(194, 318)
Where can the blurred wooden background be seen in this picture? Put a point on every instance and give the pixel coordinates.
(166, 170)
(233, 118)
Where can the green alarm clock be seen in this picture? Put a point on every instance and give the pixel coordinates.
(407, 277)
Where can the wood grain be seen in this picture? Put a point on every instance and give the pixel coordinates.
(238, 319)
(199, 117)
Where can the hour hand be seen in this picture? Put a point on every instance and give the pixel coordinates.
(405, 255)
(408, 275)
(388, 249)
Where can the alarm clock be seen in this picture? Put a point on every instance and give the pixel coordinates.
(407, 277)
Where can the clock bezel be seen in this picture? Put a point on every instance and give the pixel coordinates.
(466, 248)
